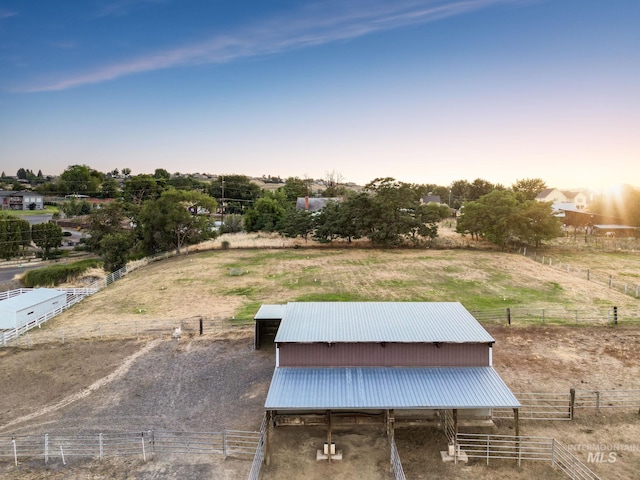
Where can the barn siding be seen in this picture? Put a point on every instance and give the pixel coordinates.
(392, 355)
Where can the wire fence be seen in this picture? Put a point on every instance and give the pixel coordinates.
(539, 406)
(146, 444)
(144, 328)
(396, 464)
(606, 279)
(519, 448)
(563, 406)
(558, 316)
(258, 458)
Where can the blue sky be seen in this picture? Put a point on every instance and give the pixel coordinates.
(426, 91)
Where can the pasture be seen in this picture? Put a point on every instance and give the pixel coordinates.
(216, 380)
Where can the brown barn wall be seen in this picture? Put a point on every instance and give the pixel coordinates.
(392, 355)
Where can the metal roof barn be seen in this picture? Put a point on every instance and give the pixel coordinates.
(388, 388)
(22, 309)
(402, 322)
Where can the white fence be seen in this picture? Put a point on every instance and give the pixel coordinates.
(74, 295)
(521, 448)
(143, 444)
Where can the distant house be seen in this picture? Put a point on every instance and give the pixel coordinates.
(314, 204)
(430, 199)
(24, 200)
(551, 195)
(396, 362)
(578, 198)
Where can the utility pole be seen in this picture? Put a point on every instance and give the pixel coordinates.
(222, 201)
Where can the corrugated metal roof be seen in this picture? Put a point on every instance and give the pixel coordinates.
(270, 312)
(380, 322)
(382, 388)
(29, 299)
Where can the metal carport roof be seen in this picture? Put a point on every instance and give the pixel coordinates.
(348, 388)
(403, 322)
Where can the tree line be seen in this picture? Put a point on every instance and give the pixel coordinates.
(160, 211)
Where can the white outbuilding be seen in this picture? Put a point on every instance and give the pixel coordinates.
(28, 307)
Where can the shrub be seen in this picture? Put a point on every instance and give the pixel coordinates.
(57, 274)
(225, 245)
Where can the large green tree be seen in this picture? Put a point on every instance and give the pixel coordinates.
(15, 235)
(79, 180)
(46, 236)
(501, 218)
(140, 188)
(238, 192)
(175, 220)
(528, 188)
(266, 213)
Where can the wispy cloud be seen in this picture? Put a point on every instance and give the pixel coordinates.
(7, 13)
(316, 24)
(119, 8)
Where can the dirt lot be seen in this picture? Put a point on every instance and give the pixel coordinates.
(209, 383)
(217, 381)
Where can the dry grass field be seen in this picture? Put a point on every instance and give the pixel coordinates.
(216, 380)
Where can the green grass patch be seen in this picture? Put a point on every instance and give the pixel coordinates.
(332, 297)
(56, 274)
(247, 312)
(397, 283)
(241, 291)
(303, 281)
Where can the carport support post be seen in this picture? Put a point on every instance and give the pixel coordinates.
(267, 439)
(516, 421)
(390, 423)
(455, 436)
(329, 435)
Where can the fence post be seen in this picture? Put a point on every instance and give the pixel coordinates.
(46, 448)
(100, 446)
(508, 316)
(15, 450)
(201, 326)
(615, 315)
(572, 402)
(224, 444)
(144, 453)
(610, 281)
(598, 401)
(588, 274)
(543, 315)
(553, 452)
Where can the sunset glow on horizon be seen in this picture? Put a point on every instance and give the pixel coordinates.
(424, 91)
